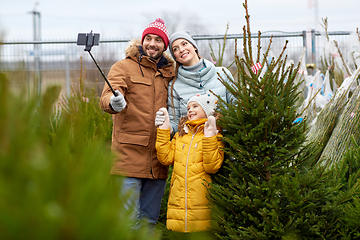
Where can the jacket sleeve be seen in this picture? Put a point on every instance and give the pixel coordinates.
(213, 153)
(117, 79)
(173, 108)
(164, 147)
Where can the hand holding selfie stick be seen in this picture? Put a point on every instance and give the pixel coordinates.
(89, 40)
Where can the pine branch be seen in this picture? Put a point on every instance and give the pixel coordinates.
(341, 56)
(325, 26)
(354, 60)
(255, 235)
(247, 17)
(307, 106)
(282, 52)
(223, 48)
(246, 54)
(237, 61)
(258, 47)
(267, 53)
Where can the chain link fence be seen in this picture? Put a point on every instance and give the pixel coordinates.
(34, 65)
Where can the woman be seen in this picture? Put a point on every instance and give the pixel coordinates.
(194, 75)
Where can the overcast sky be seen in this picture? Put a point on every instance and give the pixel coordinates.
(114, 19)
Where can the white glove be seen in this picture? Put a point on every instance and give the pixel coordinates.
(118, 103)
(166, 122)
(210, 127)
(160, 118)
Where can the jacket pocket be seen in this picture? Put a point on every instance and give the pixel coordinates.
(141, 80)
(199, 190)
(142, 140)
(175, 192)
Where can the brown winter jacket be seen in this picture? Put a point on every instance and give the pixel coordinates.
(144, 84)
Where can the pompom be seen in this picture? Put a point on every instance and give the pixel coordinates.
(160, 20)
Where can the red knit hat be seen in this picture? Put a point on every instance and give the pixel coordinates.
(158, 28)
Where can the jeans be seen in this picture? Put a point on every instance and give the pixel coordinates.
(146, 194)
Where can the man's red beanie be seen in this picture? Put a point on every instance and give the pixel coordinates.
(158, 28)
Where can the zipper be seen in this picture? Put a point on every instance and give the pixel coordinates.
(140, 58)
(186, 171)
(152, 137)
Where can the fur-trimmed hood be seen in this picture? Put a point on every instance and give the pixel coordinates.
(134, 50)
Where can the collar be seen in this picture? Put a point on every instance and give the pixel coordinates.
(197, 67)
(160, 62)
(194, 125)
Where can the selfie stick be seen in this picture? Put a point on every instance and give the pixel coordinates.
(107, 81)
(89, 40)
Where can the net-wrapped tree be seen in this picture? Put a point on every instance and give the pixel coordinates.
(268, 187)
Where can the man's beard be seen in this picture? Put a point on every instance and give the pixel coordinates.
(154, 56)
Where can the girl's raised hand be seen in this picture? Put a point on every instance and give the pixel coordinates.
(210, 127)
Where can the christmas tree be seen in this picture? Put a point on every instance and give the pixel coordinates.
(54, 171)
(269, 186)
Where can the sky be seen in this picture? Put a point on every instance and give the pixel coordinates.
(125, 19)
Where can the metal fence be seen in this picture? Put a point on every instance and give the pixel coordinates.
(35, 65)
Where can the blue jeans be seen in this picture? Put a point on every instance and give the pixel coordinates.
(146, 194)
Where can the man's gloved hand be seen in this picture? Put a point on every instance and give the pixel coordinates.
(118, 103)
(163, 115)
(210, 127)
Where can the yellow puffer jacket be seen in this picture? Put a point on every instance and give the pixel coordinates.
(195, 157)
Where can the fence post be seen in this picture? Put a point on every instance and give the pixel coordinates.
(304, 44)
(313, 48)
(37, 49)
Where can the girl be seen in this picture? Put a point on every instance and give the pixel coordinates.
(196, 152)
(194, 75)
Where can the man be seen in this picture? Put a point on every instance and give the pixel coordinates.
(141, 82)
